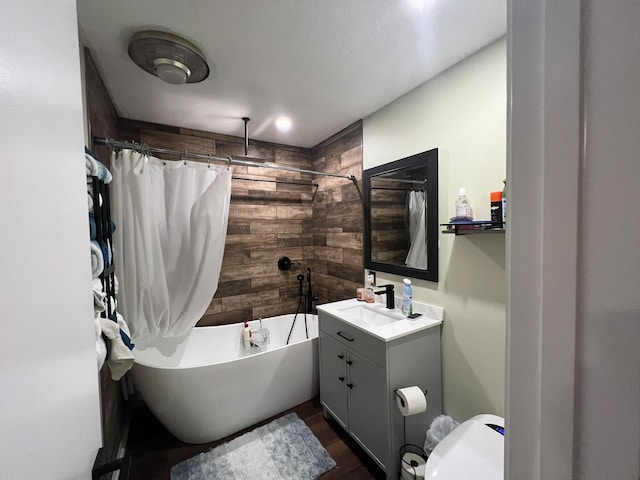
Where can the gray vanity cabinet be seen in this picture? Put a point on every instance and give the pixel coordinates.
(358, 375)
(333, 377)
(366, 397)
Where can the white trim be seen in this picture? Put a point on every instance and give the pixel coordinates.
(543, 171)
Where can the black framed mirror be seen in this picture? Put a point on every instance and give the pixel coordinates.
(401, 216)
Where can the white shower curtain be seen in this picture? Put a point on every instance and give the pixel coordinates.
(171, 224)
(417, 209)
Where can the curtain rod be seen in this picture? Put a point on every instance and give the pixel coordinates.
(273, 180)
(110, 142)
(398, 180)
(401, 189)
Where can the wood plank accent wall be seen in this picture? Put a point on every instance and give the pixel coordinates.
(338, 216)
(266, 221)
(103, 122)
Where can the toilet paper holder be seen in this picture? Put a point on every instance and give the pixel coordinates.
(402, 399)
(408, 469)
(411, 468)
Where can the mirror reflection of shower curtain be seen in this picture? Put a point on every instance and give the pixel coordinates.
(417, 210)
(171, 225)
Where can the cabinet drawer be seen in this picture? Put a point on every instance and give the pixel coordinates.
(366, 345)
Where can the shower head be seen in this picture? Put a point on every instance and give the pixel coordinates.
(246, 146)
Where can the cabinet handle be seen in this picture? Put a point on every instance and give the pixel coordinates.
(341, 379)
(349, 362)
(350, 385)
(344, 336)
(340, 356)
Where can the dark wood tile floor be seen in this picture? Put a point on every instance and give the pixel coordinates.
(154, 450)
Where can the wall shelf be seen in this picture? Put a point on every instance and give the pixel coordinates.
(471, 228)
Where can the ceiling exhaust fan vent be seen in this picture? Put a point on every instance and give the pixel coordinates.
(168, 57)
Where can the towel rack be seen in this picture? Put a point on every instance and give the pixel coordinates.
(102, 214)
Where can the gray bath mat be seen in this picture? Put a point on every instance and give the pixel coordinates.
(282, 449)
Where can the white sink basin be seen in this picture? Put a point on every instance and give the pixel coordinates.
(372, 315)
(381, 322)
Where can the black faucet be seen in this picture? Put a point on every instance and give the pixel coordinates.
(308, 296)
(388, 291)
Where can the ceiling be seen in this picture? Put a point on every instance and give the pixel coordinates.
(322, 63)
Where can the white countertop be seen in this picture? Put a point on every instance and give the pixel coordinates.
(399, 327)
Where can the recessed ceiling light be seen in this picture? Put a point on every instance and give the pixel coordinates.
(420, 3)
(283, 124)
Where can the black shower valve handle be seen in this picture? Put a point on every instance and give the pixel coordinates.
(284, 263)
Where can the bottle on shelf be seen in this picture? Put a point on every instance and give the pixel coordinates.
(504, 203)
(496, 209)
(463, 207)
(407, 298)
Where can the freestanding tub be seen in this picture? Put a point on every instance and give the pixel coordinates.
(209, 387)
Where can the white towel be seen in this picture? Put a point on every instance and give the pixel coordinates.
(120, 358)
(98, 326)
(101, 346)
(98, 297)
(90, 164)
(101, 352)
(97, 260)
(96, 168)
(114, 304)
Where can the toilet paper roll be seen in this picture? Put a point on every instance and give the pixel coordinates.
(413, 466)
(411, 400)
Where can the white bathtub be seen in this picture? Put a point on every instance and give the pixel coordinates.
(210, 388)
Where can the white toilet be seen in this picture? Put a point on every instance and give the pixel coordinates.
(473, 451)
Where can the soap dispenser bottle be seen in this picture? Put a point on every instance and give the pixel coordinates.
(407, 298)
(369, 295)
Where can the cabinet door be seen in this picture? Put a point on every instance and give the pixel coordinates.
(368, 421)
(333, 378)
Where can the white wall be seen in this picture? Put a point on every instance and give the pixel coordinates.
(608, 325)
(573, 404)
(462, 112)
(49, 407)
